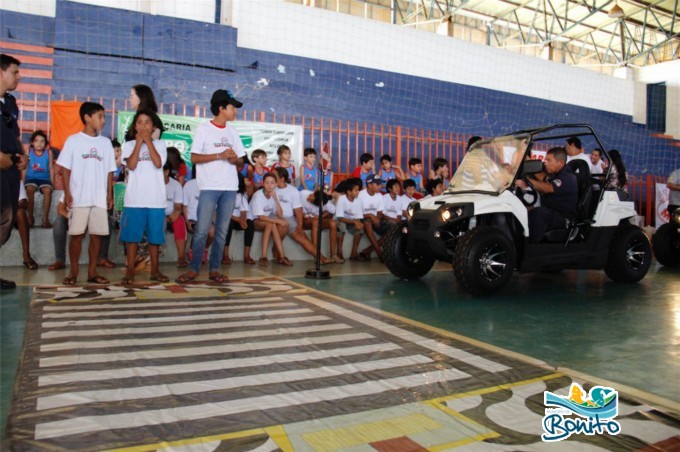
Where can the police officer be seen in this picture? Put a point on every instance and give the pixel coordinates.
(559, 195)
(12, 158)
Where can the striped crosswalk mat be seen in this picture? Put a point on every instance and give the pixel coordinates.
(114, 367)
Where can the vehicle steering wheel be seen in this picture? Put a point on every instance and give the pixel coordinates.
(528, 196)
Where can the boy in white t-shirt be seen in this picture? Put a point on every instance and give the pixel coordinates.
(144, 210)
(88, 164)
(409, 195)
(310, 210)
(349, 215)
(374, 222)
(393, 204)
(218, 150)
(291, 207)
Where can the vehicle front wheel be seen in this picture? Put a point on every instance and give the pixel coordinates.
(630, 255)
(401, 261)
(666, 245)
(484, 260)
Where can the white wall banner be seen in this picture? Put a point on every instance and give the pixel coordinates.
(179, 132)
(661, 204)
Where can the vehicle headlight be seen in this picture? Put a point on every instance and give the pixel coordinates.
(675, 217)
(446, 215)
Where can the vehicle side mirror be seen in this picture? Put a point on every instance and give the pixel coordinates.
(532, 166)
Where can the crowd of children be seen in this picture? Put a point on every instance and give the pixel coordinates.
(226, 192)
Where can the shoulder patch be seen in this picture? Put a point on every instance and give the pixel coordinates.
(557, 182)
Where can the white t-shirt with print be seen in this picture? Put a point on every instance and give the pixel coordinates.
(210, 139)
(146, 183)
(190, 194)
(311, 210)
(371, 204)
(90, 160)
(405, 201)
(289, 198)
(240, 205)
(260, 205)
(330, 206)
(393, 208)
(173, 195)
(349, 210)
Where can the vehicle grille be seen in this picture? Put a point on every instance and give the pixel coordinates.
(421, 225)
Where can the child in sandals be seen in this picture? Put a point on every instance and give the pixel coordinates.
(144, 209)
(88, 164)
(267, 217)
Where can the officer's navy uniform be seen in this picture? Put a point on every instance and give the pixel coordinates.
(555, 207)
(10, 178)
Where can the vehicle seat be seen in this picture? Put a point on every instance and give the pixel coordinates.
(585, 188)
(584, 208)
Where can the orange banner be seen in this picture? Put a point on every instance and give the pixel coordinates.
(65, 121)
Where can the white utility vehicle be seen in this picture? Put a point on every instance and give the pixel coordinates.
(480, 224)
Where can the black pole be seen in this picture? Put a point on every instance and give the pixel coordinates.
(317, 273)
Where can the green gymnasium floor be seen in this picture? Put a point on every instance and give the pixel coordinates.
(578, 322)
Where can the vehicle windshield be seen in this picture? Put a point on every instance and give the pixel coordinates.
(490, 165)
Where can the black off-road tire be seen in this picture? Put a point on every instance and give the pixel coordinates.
(403, 263)
(666, 245)
(484, 260)
(630, 255)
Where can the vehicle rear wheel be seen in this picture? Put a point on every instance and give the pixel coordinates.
(484, 260)
(666, 245)
(401, 261)
(630, 255)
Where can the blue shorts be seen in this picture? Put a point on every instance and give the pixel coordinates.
(38, 183)
(136, 221)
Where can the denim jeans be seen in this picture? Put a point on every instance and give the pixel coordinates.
(209, 202)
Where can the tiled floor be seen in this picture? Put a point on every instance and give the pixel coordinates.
(573, 320)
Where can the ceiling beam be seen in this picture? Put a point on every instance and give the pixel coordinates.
(651, 49)
(592, 12)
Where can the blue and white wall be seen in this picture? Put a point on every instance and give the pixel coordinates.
(295, 60)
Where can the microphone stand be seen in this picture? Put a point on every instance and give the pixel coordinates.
(317, 273)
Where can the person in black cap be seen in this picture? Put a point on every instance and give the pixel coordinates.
(12, 158)
(217, 147)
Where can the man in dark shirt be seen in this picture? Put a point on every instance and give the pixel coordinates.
(559, 196)
(12, 158)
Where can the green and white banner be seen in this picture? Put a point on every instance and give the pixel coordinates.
(179, 132)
